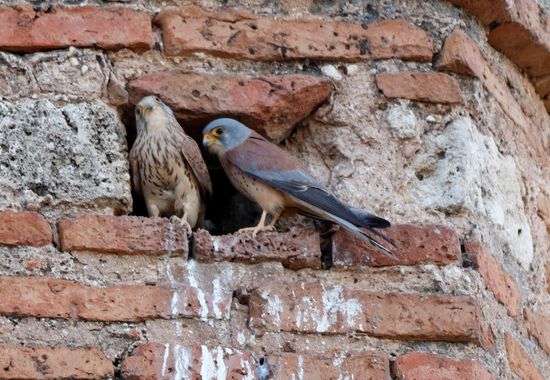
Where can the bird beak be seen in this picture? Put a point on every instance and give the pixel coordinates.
(207, 140)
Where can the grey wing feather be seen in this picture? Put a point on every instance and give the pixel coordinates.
(193, 156)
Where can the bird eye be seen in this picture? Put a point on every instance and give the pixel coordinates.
(218, 131)
(156, 99)
(138, 110)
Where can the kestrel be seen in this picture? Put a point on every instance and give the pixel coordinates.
(167, 165)
(277, 181)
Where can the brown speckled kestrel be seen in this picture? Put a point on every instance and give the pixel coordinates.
(167, 165)
(275, 180)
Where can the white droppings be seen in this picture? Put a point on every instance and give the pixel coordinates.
(182, 361)
(217, 298)
(191, 275)
(209, 369)
(215, 244)
(170, 242)
(222, 371)
(84, 69)
(334, 304)
(241, 338)
(165, 359)
(249, 372)
(300, 367)
(275, 308)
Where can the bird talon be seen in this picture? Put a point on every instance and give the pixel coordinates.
(184, 223)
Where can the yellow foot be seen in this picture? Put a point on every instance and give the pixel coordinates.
(256, 229)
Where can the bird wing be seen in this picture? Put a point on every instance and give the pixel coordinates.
(134, 166)
(267, 162)
(192, 154)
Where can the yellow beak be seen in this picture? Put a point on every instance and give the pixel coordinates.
(207, 139)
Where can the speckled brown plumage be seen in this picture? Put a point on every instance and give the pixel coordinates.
(167, 166)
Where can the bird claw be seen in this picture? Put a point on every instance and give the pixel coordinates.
(182, 222)
(256, 229)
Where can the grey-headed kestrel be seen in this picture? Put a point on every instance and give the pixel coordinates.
(167, 165)
(277, 181)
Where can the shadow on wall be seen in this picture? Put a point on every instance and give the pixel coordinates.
(227, 210)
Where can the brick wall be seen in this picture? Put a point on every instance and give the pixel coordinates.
(430, 113)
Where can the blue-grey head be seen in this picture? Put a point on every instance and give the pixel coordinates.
(222, 135)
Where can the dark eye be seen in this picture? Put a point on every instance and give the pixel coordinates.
(156, 99)
(138, 111)
(219, 131)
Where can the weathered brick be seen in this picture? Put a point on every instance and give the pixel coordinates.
(543, 209)
(415, 245)
(548, 278)
(53, 298)
(419, 86)
(18, 362)
(333, 309)
(24, 228)
(461, 54)
(296, 249)
(24, 30)
(239, 34)
(519, 360)
(342, 365)
(270, 104)
(496, 278)
(538, 326)
(423, 366)
(175, 361)
(523, 46)
(122, 234)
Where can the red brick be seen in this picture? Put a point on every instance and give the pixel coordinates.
(523, 47)
(296, 249)
(24, 228)
(419, 86)
(241, 35)
(53, 298)
(488, 11)
(415, 245)
(122, 234)
(538, 325)
(461, 54)
(18, 362)
(270, 104)
(497, 280)
(519, 360)
(175, 361)
(424, 366)
(333, 309)
(24, 30)
(543, 209)
(548, 277)
(342, 365)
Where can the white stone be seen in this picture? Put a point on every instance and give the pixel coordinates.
(402, 122)
(463, 172)
(332, 72)
(76, 154)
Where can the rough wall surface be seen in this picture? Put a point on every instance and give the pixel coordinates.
(432, 114)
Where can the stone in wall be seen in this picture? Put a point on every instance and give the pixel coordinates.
(74, 154)
(462, 171)
(15, 76)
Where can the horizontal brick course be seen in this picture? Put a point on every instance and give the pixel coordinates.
(496, 278)
(123, 234)
(270, 104)
(342, 365)
(296, 249)
(415, 245)
(53, 298)
(423, 366)
(24, 30)
(238, 34)
(18, 362)
(334, 309)
(538, 325)
(175, 361)
(424, 87)
(24, 228)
